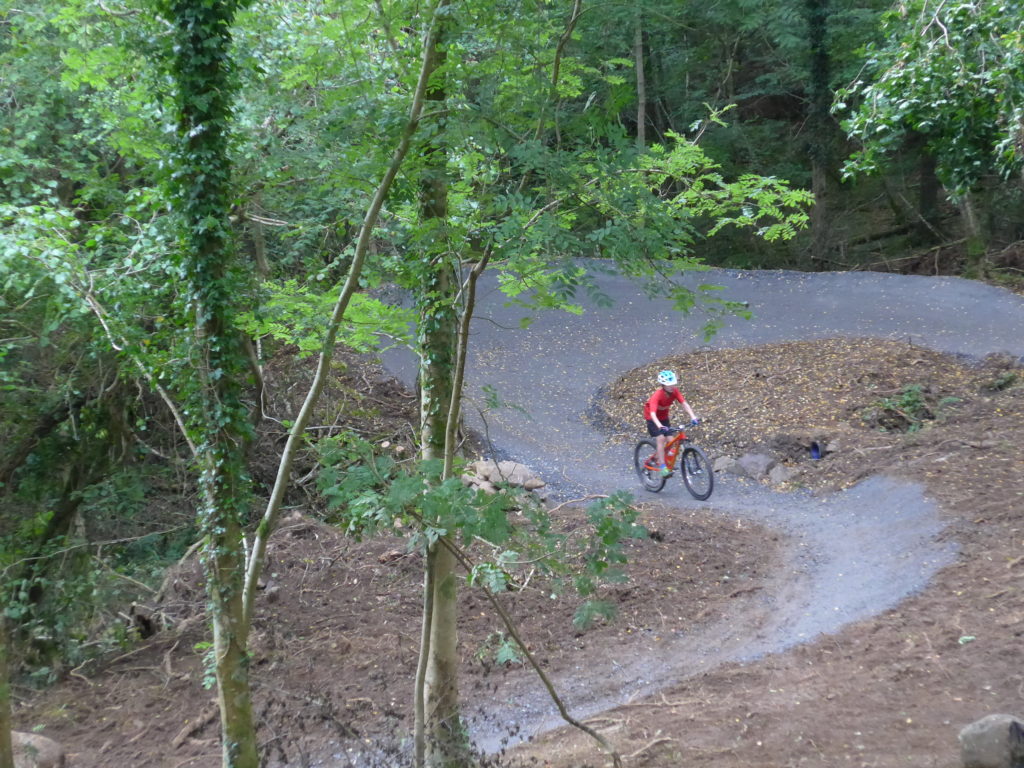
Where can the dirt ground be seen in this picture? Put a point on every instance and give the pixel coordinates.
(335, 639)
(894, 690)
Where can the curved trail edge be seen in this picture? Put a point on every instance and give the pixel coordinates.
(847, 556)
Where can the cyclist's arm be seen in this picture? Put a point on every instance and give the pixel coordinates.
(687, 408)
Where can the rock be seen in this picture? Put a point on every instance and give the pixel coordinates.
(756, 465)
(487, 487)
(995, 741)
(479, 468)
(780, 473)
(729, 465)
(511, 472)
(491, 473)
(34, 751)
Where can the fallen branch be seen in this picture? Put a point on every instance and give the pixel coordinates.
(663, 703)
(578, 501)
(208, 715)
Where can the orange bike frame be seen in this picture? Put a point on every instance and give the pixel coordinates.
(670, 461)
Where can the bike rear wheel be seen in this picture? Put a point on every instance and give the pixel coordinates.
(643, 461)
(698, 476)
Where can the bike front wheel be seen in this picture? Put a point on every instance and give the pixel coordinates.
(698, 476)
(644, 463)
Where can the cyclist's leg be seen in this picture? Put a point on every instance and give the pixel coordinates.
(659, 442)
(662, 440)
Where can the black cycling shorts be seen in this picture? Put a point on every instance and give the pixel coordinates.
(652, 430)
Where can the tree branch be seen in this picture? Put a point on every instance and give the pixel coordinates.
(121, 346)
(295, 435)
(451, 427)
(419, 729)
(509, 623)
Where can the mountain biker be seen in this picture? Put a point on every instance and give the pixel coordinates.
(656, 413)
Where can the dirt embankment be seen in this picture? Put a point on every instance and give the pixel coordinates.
(335, 639)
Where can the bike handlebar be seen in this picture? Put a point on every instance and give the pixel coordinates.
(677, 430)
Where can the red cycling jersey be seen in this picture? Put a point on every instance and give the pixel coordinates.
(659, 403)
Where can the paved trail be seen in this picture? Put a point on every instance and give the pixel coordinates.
(851, 555)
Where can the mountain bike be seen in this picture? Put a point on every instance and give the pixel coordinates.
(694, 465)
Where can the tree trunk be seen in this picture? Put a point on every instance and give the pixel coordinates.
(641, 83)
(924, 218)
(225, 569)
(928, 198)
(976, 239)
(259, 249)
(6, 750)
(819, 214)
(419, 702)
(444, 739)
(297, 432)
(818, 124)
(225, 494)
(46, 424)
(201, 69)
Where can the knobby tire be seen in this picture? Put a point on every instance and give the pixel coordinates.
(651, 479)
(698, 476)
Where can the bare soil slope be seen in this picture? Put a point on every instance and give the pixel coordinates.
(335, 639)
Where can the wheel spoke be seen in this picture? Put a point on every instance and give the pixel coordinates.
(644, 463)
(698, 475)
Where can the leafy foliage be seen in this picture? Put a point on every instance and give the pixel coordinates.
(952, 72)
(907, 411)
(537, 142)
(294, 314)
(501, 648)
(367, 492)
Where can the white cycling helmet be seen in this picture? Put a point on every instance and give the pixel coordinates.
(667, 378)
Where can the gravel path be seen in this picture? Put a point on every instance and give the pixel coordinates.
(851, 555)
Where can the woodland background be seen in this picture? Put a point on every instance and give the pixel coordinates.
(189, 190)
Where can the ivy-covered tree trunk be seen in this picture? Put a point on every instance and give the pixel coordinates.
(443, 735)
(202, 72)
(6, 751)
